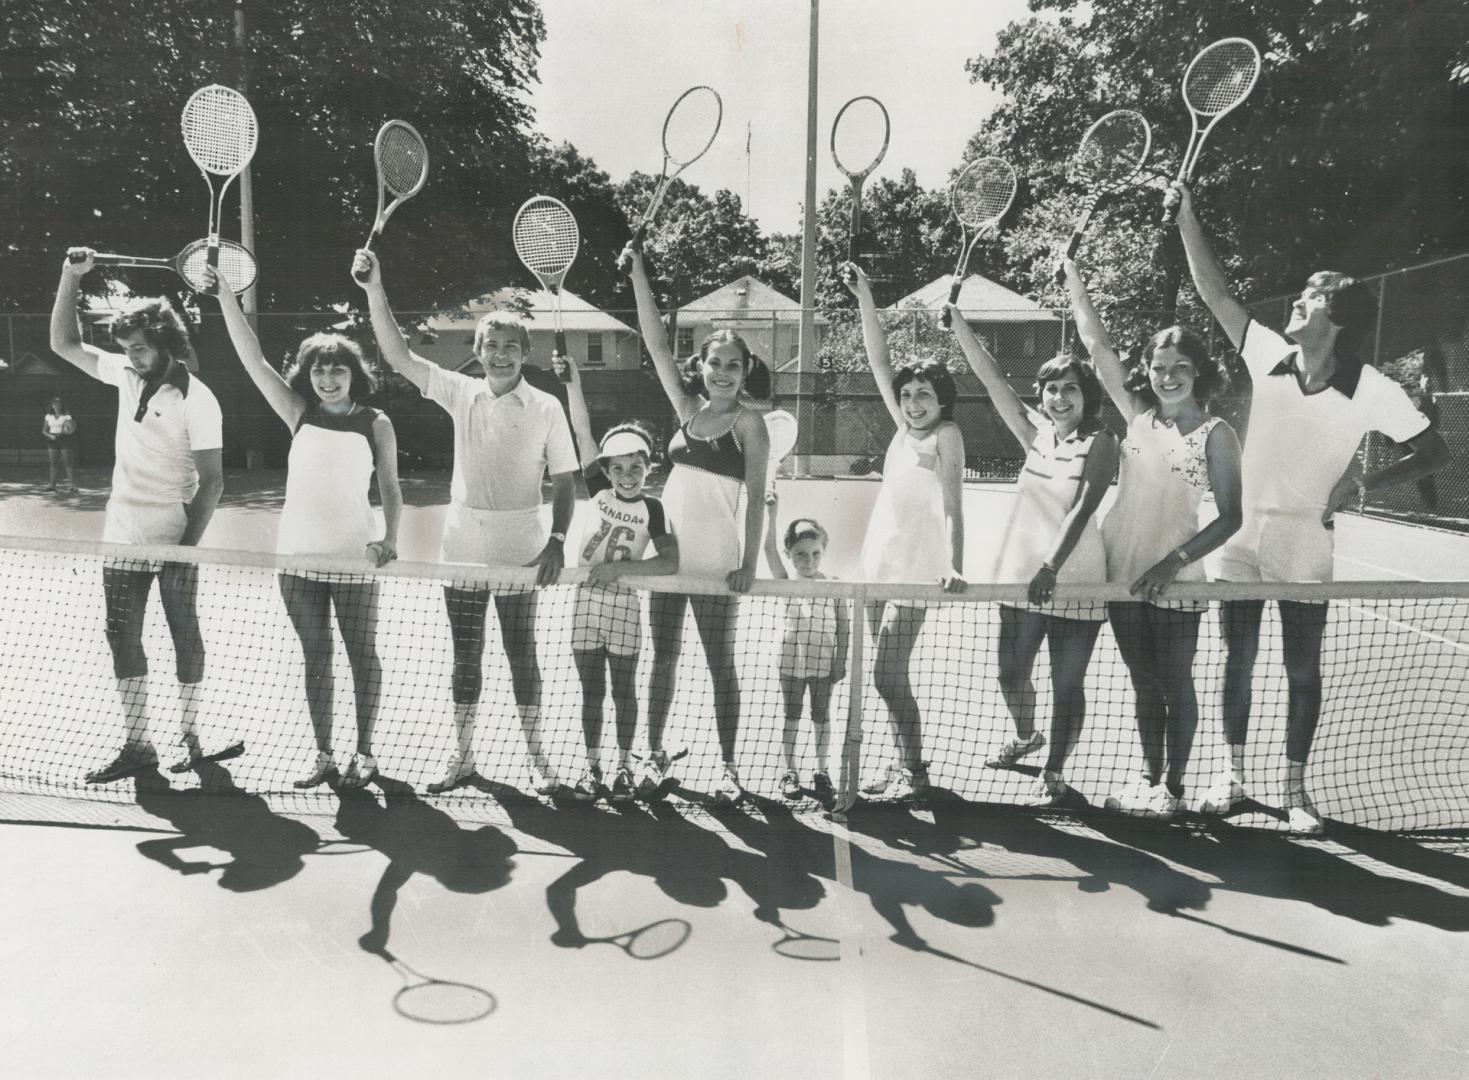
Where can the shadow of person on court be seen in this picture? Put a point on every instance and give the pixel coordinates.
(265, 848)
(1319, 872)
(418, 839)
(687, 863)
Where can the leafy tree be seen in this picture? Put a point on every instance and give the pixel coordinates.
(1351, 151)
(92, 152)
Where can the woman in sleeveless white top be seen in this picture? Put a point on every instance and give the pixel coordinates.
(337, 443)
(916, 533)
(715, 506)
(1174, 453)
(1052, 536)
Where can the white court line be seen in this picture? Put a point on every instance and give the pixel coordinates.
(856, 1061)
(1457, 646)
(1380, 567)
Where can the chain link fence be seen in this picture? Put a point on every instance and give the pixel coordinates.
(1420, 342)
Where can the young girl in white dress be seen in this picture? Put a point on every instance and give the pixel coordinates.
(916, 532)
(337, 443)
(1052, 536)
(1174, 453)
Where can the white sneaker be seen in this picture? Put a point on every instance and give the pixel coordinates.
(730, 791)
(1221, 797)
(1158, 803)
(652, 774)
(886, 780)
(457, 771)
(543, 780)
(322, 772)
(1130, 796)
(1043, 793)
(1011, 752)
(360, 770)
(589, 786)
(1301, 816)
(790, 784)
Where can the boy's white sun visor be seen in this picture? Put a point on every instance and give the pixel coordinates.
(624, 442)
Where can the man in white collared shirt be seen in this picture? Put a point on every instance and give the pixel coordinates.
(166, 481)
(507, 436)
(1313, 399)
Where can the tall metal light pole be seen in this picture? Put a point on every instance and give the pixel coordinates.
(806, 362)
(247, 189)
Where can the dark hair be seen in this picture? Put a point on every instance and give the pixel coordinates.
(936, 375)
(637, 427)
(1211, 379)
(804, 529)
(1062, 364)
(328, 347)
(757, 375)
(163, 328)
(1352, 308)
(502, 320)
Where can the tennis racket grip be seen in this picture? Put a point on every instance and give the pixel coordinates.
(372, 238)
(855, 231)
(1071, 248)
(953, 298)
(564, 372)
(104, 260)
(624, 263)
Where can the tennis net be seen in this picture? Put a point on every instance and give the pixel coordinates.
(1391, 750)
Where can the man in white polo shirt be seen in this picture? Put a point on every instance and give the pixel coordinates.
(507, 436)
(1314, 398)
(165, 483)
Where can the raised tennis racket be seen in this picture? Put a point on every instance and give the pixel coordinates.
(1109, 156)
(220, 133)
(546, 239)
(688, 132)
(1216, 82)
(402, 167)
(233, 262)
(782, 428)
(859, 139)
(981, 194)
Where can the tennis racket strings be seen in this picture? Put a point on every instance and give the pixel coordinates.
(692, 123)
(1221, 76)
(402, 159)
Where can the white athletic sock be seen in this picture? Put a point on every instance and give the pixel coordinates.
(464, 719)
(133, 693)
(189, 710)
(1295, 778)
(530, 727)
(1237, 762)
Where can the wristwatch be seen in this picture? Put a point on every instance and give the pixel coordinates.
(559, 537)
(1182, 556)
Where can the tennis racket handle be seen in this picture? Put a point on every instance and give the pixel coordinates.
(1071, 246)
(110, 260)
(624, 263)
(953, 298)
(563, 372)
(372, 239)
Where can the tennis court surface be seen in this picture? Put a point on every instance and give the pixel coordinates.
(226, 922)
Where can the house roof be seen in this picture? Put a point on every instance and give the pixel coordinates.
(745, 297)
(576, 314)
(980, 299)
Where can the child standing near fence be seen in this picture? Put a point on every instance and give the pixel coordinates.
(813, 648)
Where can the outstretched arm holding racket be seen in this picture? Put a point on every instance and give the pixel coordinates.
(367, 271)
(1208, 275)
(67, 341)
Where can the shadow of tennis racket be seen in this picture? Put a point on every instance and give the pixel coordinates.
(796, 945)
(650, 942)
(433, 1001)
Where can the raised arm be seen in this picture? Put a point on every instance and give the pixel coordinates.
(874, 337)
(1098, 343)
(576, 407)
(1006, 401)
(1208, 275)
(656, 341)
(66, 328)
(390, 340)
(385, 444)
(288, 404)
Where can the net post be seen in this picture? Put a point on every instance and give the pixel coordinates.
(850, 775)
